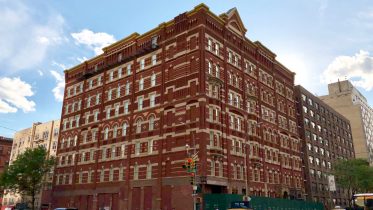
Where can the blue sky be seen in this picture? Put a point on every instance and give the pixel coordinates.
(320, 40)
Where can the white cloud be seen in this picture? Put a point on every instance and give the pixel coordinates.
(62, 66)
(40, 73)
(24, 39)
(358, 68)
(81, 60)
(60, 85)
(13, 95)
(94, 41)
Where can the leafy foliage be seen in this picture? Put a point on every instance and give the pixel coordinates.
(26, 174)
(355, 175)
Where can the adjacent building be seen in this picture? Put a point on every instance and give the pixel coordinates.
(40, 134)
(132, 115)
(327, 138)
(348, 101)
(5, 149)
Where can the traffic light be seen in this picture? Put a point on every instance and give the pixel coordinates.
(191, 178)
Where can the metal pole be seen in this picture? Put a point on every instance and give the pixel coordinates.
(195, 176)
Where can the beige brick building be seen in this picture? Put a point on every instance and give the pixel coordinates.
(348, 101)
(45, 134)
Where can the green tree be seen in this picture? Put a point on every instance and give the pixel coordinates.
(26, 175)
(354, 175)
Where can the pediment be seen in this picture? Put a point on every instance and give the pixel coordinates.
(234, 22)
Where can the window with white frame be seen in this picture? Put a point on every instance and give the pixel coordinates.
(154, 59)
(138, 126)
(137, 148)
(153, 79)
(209, 44)
(217, 72)
(119, 72)
(230, 57)
(111, 76)
(141, 84)
(108, 113)
(216, 49)
(142, 63)
(152, 100)
(126, 107)
(115, 132)
(109, 94)
(212, 168)
(151, 123)
(136, 172)
(118, 91)
(150, 146)
(128, 69)
(149, 171)
(106, 133)
(209, 67)
(124, 129)
(116, 110)
(127, 88)
(140, 101)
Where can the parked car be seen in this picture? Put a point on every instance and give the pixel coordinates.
(65, 209)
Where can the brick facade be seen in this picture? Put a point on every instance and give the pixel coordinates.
(196, 80)
(5, 150)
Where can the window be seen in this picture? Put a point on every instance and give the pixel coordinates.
(111, 75)
(127, 88)
(153, 80)
(217, 72)
(115, 131)
(116, 110)
(90, 84)
(118, 91)
(149, 171)
(209, 44)
(138, 126)
(142, 63)
(209, 67)
(136, 172)
(108, 114)
(137, 148)
(151, 123)
(230, 57)
(235, 60)
(140, 103)
(97, 99)
(216, 49)
(128, 69)
(106, 134)
(126, 107)
(96, 116)
(212, 168)
(150, 146)
(109, 94)
(152, 100)
(141, 84)
(124, 129)
(154, 59)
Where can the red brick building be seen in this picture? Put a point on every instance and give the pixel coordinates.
(5, 150)
(196, 80)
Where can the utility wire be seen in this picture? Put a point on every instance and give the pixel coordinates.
(7, 128)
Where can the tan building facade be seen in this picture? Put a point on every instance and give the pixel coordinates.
(348, 101)
(40, 134)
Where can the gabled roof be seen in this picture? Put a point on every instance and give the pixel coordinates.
(234, 21)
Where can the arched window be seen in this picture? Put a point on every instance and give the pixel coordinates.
(115, 131)
(75, 140)
(138, 126)
(106, 134)
(124, 129)
(151, 123)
